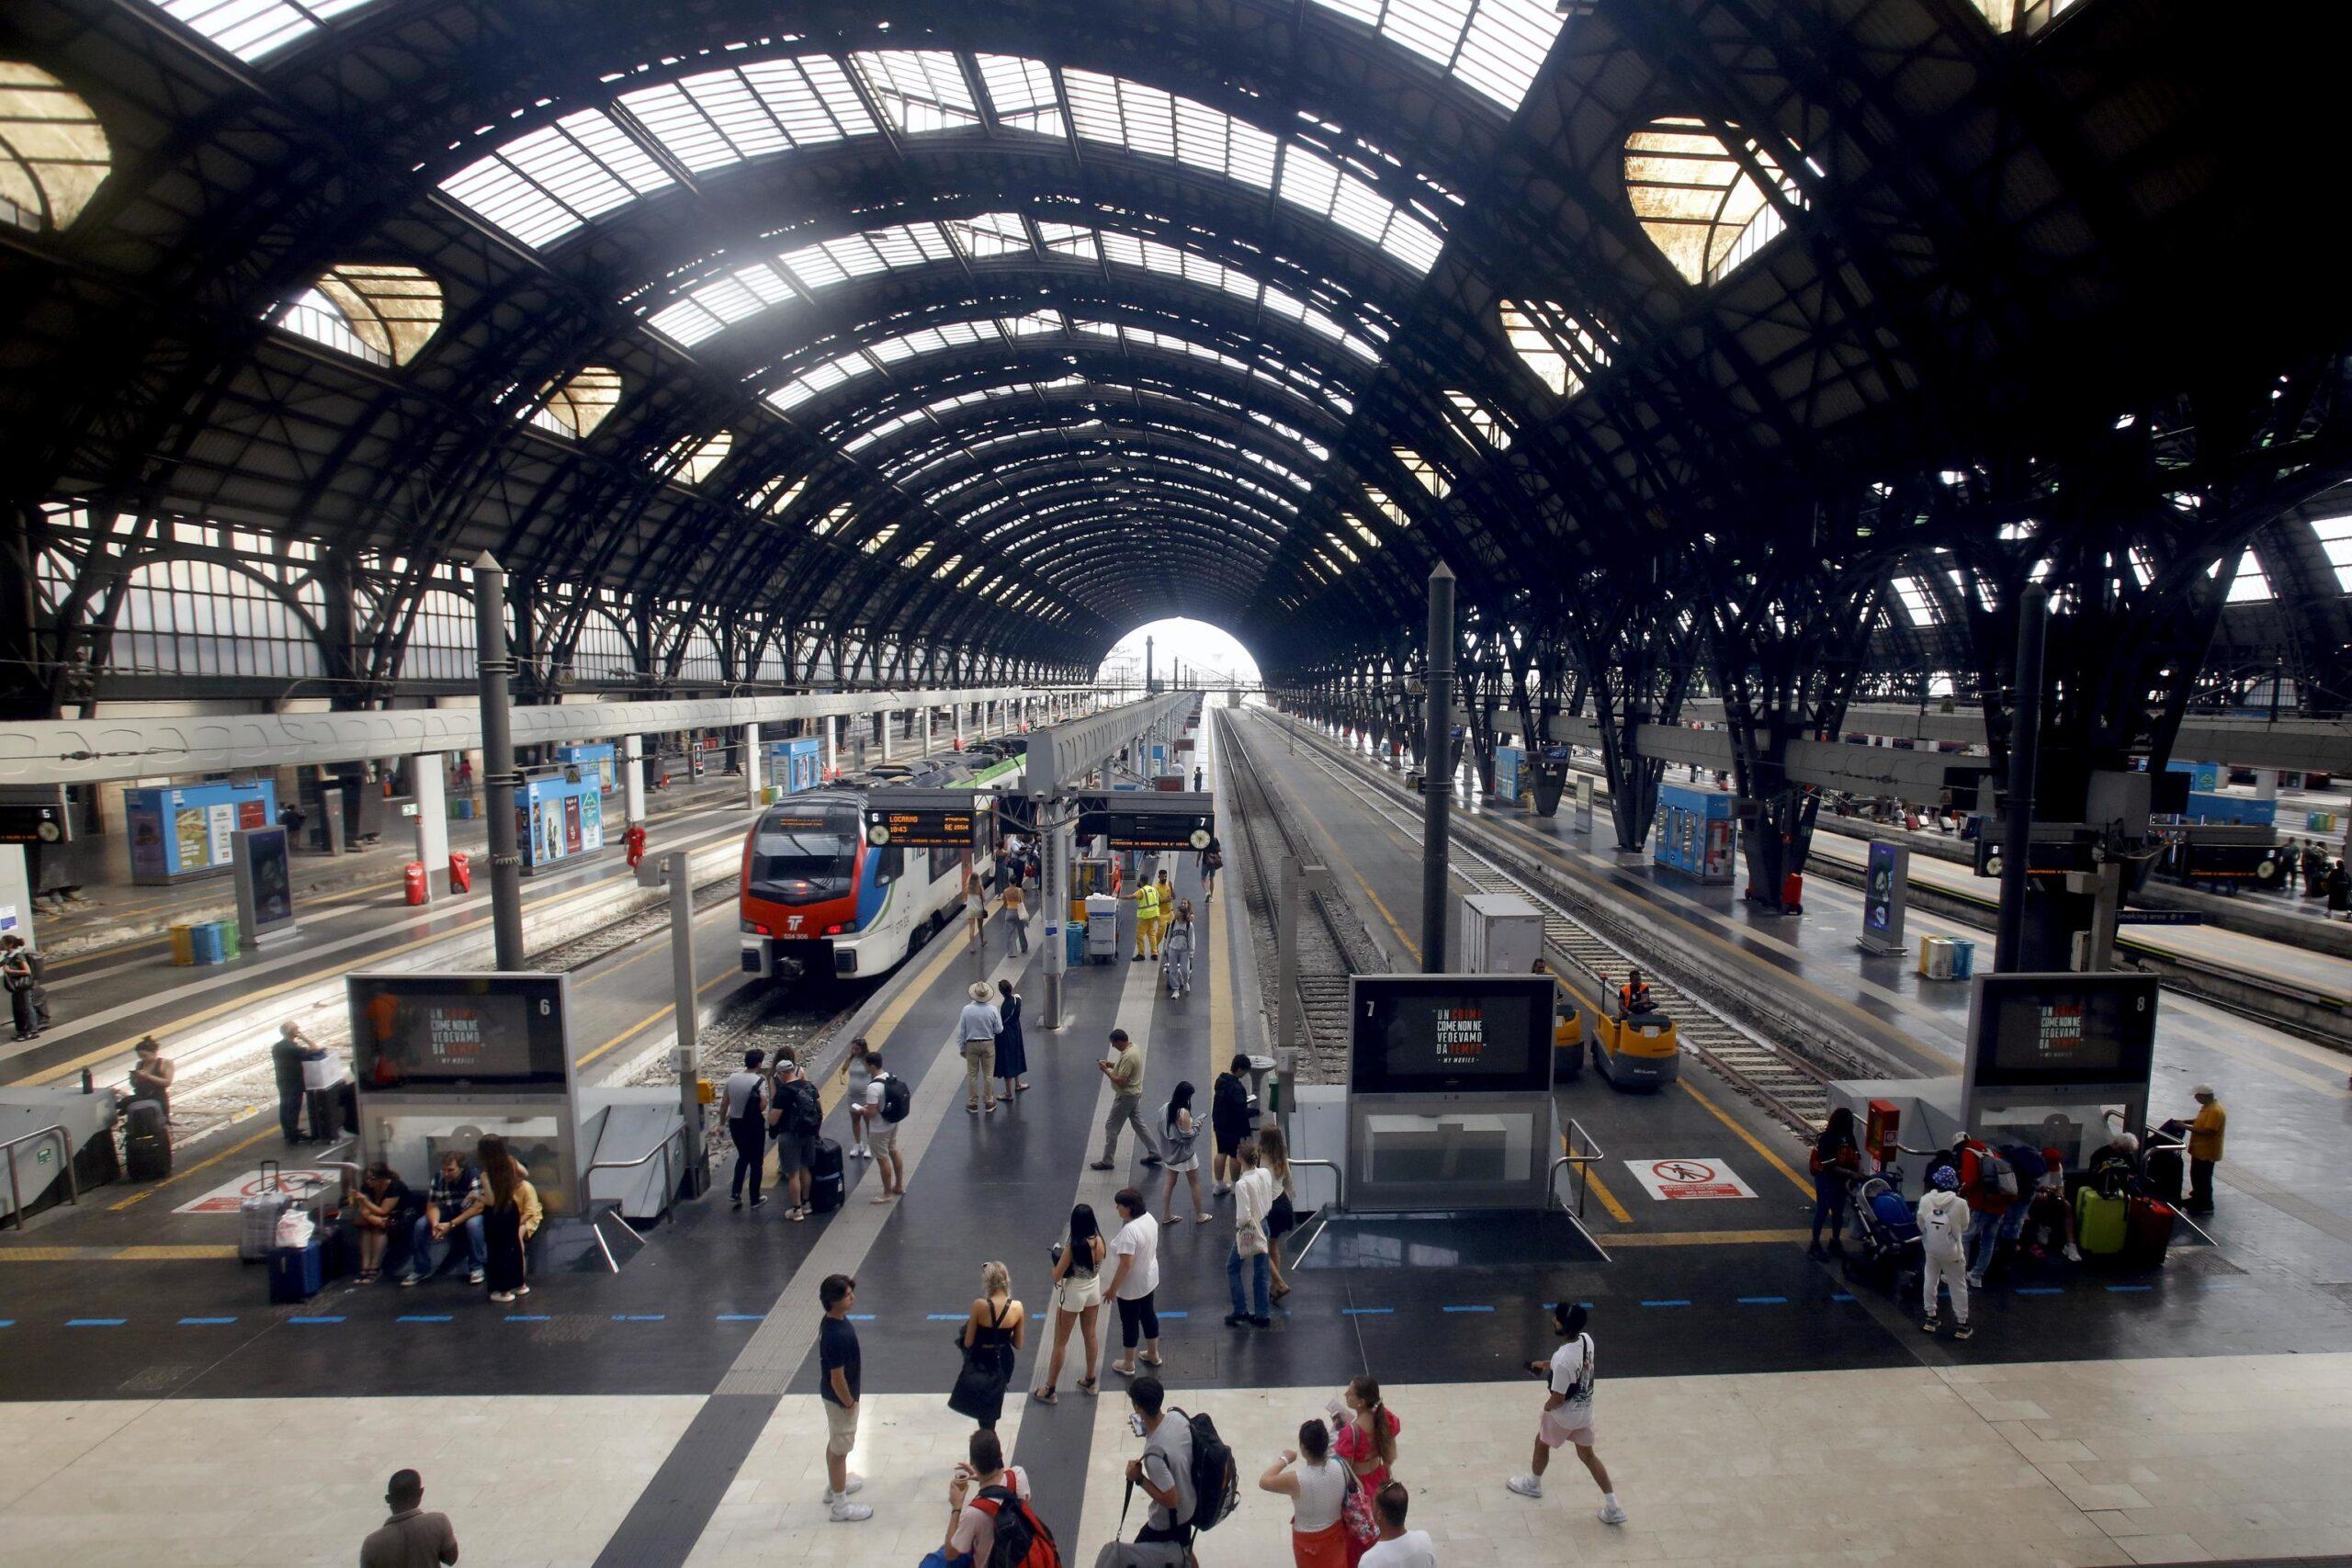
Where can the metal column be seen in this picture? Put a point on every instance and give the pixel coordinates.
(1437, 770)
(751, 764)
(2025, 761)
(633, 777)
(498, 776)
(686, 1051)
(1054, 854)
(432, 821)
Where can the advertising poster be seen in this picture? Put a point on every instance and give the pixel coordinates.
(527, 829)
(571, 824)
(194, 835)
(591, 823)
(146, 842)
(550, 830)
(252, 814)
(221, 821)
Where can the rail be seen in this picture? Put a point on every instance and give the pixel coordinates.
(1583, 1163)
(1338, 1180)
(2152, 1139)
(669, 1190)
(64, 1163)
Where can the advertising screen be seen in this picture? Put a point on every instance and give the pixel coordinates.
(419, 1034)
(1450, 1033)
(266, 852)
(2051, 1031)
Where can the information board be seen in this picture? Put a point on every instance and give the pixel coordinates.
(2062, 1030)
(262, 858)
(1885, 890)
(1450, 1035)
(461, 1034)
(1164, 819)
(920, 819)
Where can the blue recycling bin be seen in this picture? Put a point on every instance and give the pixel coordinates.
(1074, 942)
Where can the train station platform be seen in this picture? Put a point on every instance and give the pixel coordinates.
(1754, 1405)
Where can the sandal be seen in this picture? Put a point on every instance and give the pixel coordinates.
(1279, 1291)
(1043, 1396)
(1202, 1218)
(1153, 1360)
(1089, 1387)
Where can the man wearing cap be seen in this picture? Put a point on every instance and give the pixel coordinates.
(1567, 1411)
(2204, 1148)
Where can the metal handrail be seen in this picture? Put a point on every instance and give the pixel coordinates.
(1583, 1163)
(64, 1160)
(669, 1191)
(1338, 1180)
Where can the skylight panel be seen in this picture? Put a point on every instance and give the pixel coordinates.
(881, 539)
(717, 118)
(1364, 531)
(1121, 113)
(918, 89)
(1069, 240)
(1312, 180)
(1696, 200)
(2252, 584)
(1022, 93)
(916, 556)
(1916, 604)
(1387, 508)
(1494, 46)
(691, 460)
(2334, 535)
(542, 186)
(1432, 477)
(252, 28)
(1482, 421)
(990, 234)
(1558, 346)
(774, 497)
(948, 568)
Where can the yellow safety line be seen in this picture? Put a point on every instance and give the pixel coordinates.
(147, 1253)
(1704, 1238)
(1608, 1199)
(1802, 1184)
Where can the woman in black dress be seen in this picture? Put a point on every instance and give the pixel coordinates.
(991, 1340)
(509, 1206)
(1011, 1053)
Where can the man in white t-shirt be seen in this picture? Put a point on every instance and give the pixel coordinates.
(1567, 1412)
(1135, 1279)
(1397, 1547)
(745, 1099)
(881, 1132)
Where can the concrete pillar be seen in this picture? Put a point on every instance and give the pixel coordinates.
(959, 725)
(633, 777)
(883, 720)
(432, 820)
(926, 729)
(2266, 783)
(751, 764)
(833, 743)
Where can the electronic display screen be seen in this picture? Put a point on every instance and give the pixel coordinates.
(2050, 1030)
(1171, 819)
(1450, 1033)
(266, 853)
(919, 820)
(421, 1033)
(1878, 897)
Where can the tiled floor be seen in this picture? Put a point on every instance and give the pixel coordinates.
(530, 1482)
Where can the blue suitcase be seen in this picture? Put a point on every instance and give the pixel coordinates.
(295, 1273)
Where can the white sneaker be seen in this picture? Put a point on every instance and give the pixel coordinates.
(2073, 1254)
(847, 1512)
(1610, 1514)
(855, 1484)
(1526, 1485)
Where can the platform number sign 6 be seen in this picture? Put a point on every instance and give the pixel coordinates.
(546, 1007)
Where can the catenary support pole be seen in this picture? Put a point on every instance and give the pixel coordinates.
(1053, 852)
(1437, 770)
(633, 776)
(751, 764)
(686, 1052)
(498, 772)
(2025, 761)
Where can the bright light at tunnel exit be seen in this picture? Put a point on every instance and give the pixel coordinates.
(1213, 652)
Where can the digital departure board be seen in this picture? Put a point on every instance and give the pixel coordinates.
(1161, 819)
(920, 819)
(459, 1033)
(1450, 1034)
(2061, 1029)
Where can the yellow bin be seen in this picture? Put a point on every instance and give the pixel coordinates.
(184, 945)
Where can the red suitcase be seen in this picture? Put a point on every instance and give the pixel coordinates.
(2147, 1233)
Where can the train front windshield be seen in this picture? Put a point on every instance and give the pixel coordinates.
(800, 857)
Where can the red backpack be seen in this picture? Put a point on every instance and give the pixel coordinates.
(1022, 1538)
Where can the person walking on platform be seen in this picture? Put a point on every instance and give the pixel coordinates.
(747, 1114)
(28, 999)
(1836, 1161)
(1011, 1047)
(1228, 1123)
(1123, 1067)
(798, 1115)
(1567, 1412)
(2205, 1148)
(1016, 918)
(285, 1054)
(1176, 947)
(1135, 1282)
(1211, 862)
(887, 1100)
(1944, 1249)
(1177, 1133)
(839, 1380)
(1077, 1299)
(1146, 921)
(1990, 1183)
(978, 1025)
(509, 1207)
(1317, 1487)
(975, 908)
(1253, 1199)
(447, 1207)
(1274, 1156)
(411, 1537)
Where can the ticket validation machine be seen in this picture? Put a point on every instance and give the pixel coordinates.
(1450, 1092)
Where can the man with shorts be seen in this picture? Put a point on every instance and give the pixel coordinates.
(881, 1132)
(798, 1115)
(1567, 1411)
(837, 1371)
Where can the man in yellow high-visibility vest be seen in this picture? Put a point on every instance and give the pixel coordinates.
(1146, 920)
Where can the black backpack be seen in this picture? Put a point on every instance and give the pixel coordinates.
(805, 1114)
(1022, 1538)
(1217, 1488)
(897, 1098)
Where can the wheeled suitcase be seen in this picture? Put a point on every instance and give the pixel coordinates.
(2100, 1222)
(295, 1273)
(2147, 1228)
(146, 1142)
(2163, 1171)
(825, 1182)
(257, 1214)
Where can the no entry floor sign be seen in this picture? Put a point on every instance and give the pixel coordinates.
(225, 1197)
(1685, 1177)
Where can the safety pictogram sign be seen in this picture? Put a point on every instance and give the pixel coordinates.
(224, 1199)
(1688, 1177)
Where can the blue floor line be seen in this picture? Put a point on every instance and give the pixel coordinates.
(639, 1316)
(2038, 1291)
(1367, 1312)
(861, 1316)
(96, 1322)
(2122, 1289)
(1470, 1309)
(1676, 1303)
(741, 1317)
(334, 1317)
(527, 1317)
(8, 1323)
(1763, 1300)
(424, 1317)
(1166, 1315)
(204, 1322)
(1843, 1296)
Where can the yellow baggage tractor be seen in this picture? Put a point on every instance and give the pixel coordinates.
(1567, 1036)
(1636, 1051)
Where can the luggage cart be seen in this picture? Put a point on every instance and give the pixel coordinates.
(1101, 929)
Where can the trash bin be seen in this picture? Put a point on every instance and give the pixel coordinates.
(1074, 942)
(183, 945)
(461, 872)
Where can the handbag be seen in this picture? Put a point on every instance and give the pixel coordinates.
(1250, 1240)
(1355, 1509)
(980, 1382)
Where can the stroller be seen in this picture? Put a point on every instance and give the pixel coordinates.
(1887, 1233)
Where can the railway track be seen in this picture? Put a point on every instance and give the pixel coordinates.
(1784, 1083)
(1329, 952)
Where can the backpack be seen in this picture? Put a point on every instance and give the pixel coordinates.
(806, 1113)
(2029, 1165)
(897, 1097)
(1217, 1488)
(1022, 1538)
(1994, 1176)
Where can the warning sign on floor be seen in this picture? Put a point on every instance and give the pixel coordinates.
(224, 1200)
(1689, 1179)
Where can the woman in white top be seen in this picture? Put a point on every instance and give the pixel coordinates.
(975, 906)
(861, 1078)
(1317, 1485)
(1077, 1299)
(1248, 1275)
(980, 1025)
(1135, 1282)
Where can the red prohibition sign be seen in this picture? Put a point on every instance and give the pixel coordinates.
(1682, 1170)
